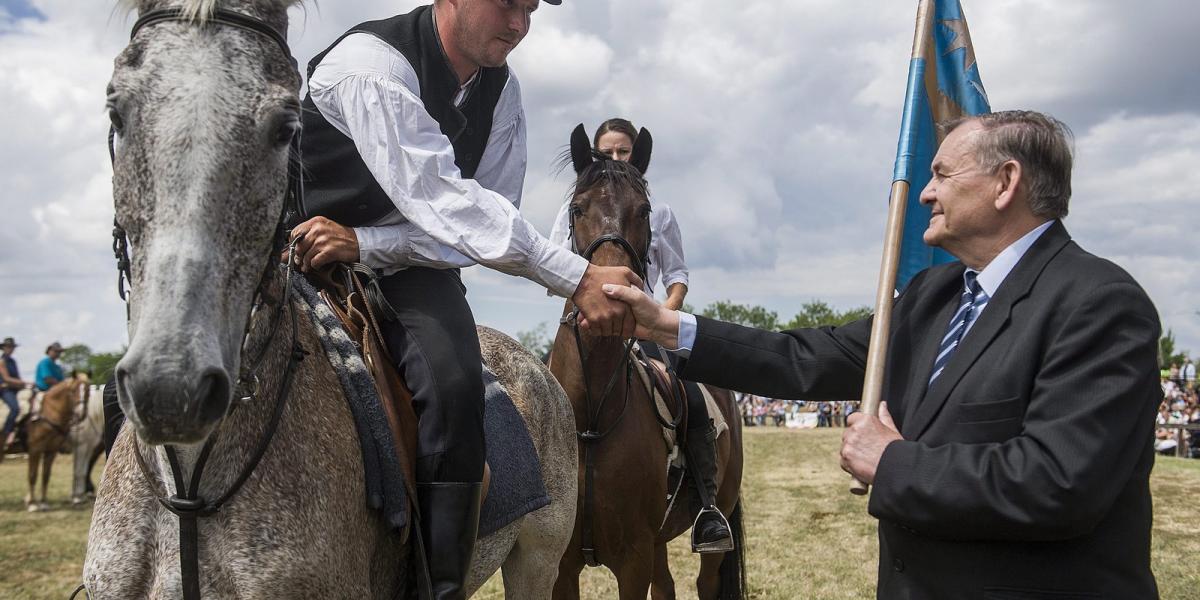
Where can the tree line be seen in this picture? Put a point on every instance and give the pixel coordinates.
(98, 365)
(816, 313)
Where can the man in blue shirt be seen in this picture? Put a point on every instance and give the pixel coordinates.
(49, 372)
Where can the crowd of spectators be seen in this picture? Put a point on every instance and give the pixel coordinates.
(1180, 406)
(758, 411)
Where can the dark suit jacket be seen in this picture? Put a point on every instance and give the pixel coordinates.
(1024, 469)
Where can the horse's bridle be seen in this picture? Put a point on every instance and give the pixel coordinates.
(640, 263)
(293, 199)
(594, 434)
(186, 502)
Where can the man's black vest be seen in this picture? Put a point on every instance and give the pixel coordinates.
(337, 183)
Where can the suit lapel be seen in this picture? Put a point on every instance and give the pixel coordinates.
(991, 323)
(931, 323)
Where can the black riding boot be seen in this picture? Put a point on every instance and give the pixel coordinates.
(710, 532)
(449, 524)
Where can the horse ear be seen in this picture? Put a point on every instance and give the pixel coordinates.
(640, 157)
(581, 149)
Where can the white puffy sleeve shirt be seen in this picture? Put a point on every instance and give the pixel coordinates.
(666, 245)
(369, 92)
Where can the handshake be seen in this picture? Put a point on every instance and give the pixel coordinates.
(613, 303)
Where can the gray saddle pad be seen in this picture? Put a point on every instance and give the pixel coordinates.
(516, 485)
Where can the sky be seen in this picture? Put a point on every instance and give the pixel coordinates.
(775, 125)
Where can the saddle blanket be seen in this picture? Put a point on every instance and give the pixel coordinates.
(516, 487)
(676, 457)
(516, 484)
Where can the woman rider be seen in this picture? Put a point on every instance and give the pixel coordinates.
(710, 533)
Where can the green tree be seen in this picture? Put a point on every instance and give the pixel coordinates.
(743, 314)
(75, 357)
(536, 340)
(102, 365)
(1167, 355)
(819, 314)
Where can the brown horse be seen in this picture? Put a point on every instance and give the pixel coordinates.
(47, 431)
(622, 521)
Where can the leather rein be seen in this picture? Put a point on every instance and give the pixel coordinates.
(593, 434)
(186, 503)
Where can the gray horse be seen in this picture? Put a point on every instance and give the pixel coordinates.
(203, 115)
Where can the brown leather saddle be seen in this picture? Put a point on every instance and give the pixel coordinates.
(345, 289)
(351, 292)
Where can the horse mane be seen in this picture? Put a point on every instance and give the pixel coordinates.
(602, 169)
(202, 10)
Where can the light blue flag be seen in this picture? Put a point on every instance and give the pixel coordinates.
(943, 83)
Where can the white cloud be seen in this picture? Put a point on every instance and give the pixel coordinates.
(775, 125)
(562, 67)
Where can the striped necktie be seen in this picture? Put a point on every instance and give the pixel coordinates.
(970, 304)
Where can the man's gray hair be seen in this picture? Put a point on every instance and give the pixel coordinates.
(1041, 144)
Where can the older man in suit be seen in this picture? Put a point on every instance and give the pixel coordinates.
(1012, 457)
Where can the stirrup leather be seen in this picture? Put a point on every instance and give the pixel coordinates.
(725, 545)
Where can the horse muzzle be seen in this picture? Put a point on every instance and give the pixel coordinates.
(172, 406)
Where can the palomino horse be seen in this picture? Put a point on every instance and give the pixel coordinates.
(204, 108)
(47, 431)
(626, 527)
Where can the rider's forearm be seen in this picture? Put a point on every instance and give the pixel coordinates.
(675, 295)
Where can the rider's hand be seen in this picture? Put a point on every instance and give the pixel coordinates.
(323, 242)
(602, 316)
(655, 322)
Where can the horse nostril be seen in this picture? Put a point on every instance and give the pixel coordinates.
(211, 395)
(124, 381)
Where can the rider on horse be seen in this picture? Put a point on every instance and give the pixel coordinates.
(10, 384)
(614, 139)
(49, 372)
(415, 156)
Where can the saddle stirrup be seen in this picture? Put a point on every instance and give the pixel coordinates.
(724, 544)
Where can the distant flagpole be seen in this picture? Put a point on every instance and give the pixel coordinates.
(942, 83)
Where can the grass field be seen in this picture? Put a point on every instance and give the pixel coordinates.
(807, 537)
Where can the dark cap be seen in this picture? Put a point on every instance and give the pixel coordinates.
(556, 2)
(9, 342)
(54, 346)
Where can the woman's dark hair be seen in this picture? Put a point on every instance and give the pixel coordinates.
(618, 125)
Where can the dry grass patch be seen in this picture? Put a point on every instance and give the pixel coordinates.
(808, 537)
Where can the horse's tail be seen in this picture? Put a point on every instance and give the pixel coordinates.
(732, 573)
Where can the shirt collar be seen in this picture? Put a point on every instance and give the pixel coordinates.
(994, 274)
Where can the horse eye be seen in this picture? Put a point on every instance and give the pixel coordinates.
(286, 132)
(114, 116)
(576, 211)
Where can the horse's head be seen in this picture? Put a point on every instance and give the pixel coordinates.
(610, 204)
(83, 389)
(204, 111)
(64, 397)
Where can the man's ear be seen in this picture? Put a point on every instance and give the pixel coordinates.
(640, 157)
(1009, 183)
(581, 149)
